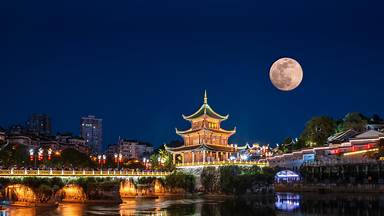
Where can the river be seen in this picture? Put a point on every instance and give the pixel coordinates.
(281, 204)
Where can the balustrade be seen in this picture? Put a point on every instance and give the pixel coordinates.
(50, 172)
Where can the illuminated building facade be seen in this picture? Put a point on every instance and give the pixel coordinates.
(347, 147)
(91, 130)
(205, 141)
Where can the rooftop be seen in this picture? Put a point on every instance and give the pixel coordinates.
(205, 109)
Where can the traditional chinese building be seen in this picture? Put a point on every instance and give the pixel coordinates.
(205, 141)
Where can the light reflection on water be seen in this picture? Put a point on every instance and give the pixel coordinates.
(281, 204)
(287, 201)
(74, 209)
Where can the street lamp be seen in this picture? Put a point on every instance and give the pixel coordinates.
(119, 160)
(32, 156)
(40, 154)
(99, 159)
(31, 153)
(49, 154)
(145, 162)
(116, 160)
(104, 159)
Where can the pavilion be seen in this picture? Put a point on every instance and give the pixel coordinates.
(205, 141)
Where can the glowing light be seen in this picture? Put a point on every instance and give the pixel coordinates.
(49, 153)
(244, 157)
(40, 154)
(31, 153)
(360, 152)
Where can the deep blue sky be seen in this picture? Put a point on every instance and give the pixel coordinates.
(140, 64)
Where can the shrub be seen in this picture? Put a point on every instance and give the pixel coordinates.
(181, 180)
(209, 179)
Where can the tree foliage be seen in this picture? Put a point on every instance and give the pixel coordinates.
(235, 179)
(286, 145)
(317, 130)
(181, 180)
(72, 158)
(355, 121)
(162, 160)
(14, 155)
(210, 179)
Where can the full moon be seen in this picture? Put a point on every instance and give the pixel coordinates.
(286, 74)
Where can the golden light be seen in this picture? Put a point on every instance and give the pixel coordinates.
(360, 152)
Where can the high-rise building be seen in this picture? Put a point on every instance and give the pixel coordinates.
(91, 130)
(39, 124)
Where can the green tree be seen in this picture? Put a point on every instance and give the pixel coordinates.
(162, 159)
(299, 144)
(228, 178)
(14, 155)
(72, 158)
(355, 121)
(317, 130)
(209, 179)
(286, 146)
(181, 180)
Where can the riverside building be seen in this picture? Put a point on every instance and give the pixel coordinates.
(205, 141)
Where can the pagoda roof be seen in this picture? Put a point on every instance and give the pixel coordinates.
(245, 147)
(220, 130)
(200, 147)
(205, 109)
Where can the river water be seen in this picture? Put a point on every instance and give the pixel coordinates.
(281, 204)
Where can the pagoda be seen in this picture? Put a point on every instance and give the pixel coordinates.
(205, 141)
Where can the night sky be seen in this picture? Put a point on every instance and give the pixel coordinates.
(139, 65)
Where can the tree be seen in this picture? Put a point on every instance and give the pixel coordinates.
(299, 144)
(228, 178)
(317, 130)
(355, 121)
(72, 158)
(181, 180)
(286, 145)
(375, 119)
(162, 159)
(14, 155)
(209, 179)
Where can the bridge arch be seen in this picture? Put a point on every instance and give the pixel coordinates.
(20, 192)
(71, 193)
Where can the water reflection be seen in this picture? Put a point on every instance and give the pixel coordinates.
(281, 204)
(287, 201)
(20, 211)
(75, 209)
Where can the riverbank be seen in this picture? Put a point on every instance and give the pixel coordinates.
(330, 188)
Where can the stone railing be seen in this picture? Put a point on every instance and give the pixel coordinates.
(222, 163)
(80, 173)
(342, 162)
